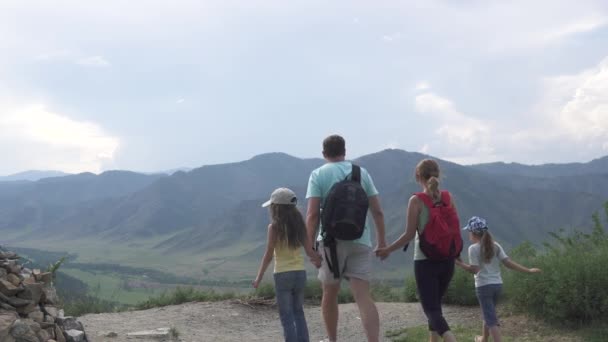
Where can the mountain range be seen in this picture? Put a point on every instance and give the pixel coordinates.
(210, 217)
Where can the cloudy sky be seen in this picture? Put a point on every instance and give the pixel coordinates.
(154, 85)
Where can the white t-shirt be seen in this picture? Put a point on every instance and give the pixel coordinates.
(489, 273)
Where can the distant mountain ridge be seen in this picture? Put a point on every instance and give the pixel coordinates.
(596, 166)
(214, 211)
(32, 175)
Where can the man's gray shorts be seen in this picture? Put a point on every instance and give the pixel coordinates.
(354, 260)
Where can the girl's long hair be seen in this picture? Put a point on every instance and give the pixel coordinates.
(288, 225)
(487, 247)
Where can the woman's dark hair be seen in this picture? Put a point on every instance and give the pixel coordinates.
(334, 146)
(288, 225)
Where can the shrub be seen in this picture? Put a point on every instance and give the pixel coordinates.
(410, 293)
(462, 289)
(572, 287)
(89, 304)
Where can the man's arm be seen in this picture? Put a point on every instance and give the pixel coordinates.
(378, 215)
(312, 218)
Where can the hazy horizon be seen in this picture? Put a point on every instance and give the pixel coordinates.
(94, 86)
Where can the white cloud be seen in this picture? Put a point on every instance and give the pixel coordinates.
(40, 138)
(574, 108)
(93, 61)
(389, 38)
(582, 25)
(459, 137)
(180, 101)
(423, 85)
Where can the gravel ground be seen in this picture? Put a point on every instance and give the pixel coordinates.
(228, 321)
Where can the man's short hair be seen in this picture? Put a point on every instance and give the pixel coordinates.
(334, 146)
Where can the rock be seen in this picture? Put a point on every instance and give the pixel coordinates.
(33, 325)
(47, 325)
(59, 335)
(32, 292)
(158, 334)
(111, 334)
(30, 280)
(43, 335)
(18, 302)
(69, 323)
(7, 318)
(7, 307)
(37, 316)
(3, 273)
(74, 335)
(14, 268)
(46, 277)
(50, 296)
(25, 310)
(7, 288)
(51, 311)
(14, 279)
(22, 332)
(9, 255)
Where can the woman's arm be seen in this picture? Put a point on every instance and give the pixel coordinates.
(517, 267)
(469, 268)
(413, 213)
(267, 256)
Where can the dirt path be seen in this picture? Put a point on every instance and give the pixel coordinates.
(226, 321)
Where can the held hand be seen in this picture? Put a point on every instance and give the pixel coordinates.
(256, 283)
(380, 245)
(383, 253)
(535, 270)
(315, 259)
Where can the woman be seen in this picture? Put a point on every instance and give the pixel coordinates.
(432, 276)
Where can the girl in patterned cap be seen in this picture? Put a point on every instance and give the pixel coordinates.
(485, 256)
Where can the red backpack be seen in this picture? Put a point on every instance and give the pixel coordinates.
(441, 238)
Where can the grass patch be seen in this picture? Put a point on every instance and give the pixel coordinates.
(184, 295)
(421, 333)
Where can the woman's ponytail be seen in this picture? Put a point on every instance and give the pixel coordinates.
(433, 186)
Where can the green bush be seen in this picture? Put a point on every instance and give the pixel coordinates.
(462, 289)
(573, 286)
(89, 304)
(410, 292)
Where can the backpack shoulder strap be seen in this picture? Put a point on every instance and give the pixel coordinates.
(446, 199)
(356, 173)
(426, 199)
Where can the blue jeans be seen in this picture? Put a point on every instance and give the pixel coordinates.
(289, 288)
(488, 297)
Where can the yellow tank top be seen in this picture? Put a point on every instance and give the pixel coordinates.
(287, 259)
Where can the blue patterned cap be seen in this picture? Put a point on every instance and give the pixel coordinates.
(476, 225)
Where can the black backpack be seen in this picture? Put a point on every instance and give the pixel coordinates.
(344, 214)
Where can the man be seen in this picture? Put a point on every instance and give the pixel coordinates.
(354, 257)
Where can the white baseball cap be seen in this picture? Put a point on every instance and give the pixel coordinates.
(282, 196)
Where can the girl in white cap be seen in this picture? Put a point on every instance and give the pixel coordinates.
(485, 256)
(286, 238)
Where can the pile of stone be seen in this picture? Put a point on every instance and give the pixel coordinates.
(30, 308)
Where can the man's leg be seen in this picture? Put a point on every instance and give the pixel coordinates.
(329, 308)
(367, 308)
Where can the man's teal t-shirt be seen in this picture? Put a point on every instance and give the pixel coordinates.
(322, 179)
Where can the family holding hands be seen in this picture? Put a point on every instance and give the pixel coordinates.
(337, 240)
